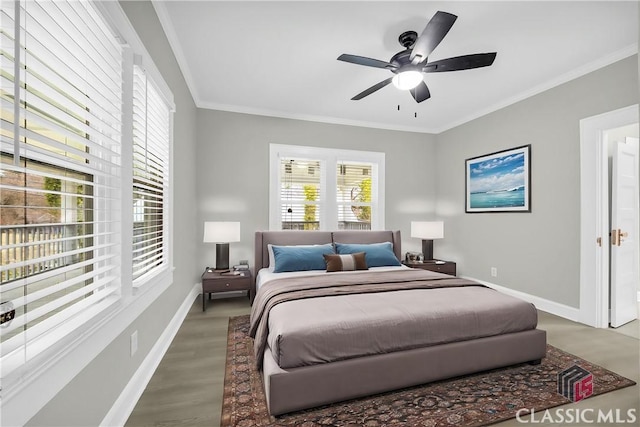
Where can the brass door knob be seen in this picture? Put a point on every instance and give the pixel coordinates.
(623, 235)
(617, 236)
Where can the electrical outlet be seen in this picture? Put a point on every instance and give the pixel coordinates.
(134, 343)
(494, 272)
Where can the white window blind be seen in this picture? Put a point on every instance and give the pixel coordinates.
(314, 188)
(61, 109)
(354, 195)
(301, 195)
(151, 139)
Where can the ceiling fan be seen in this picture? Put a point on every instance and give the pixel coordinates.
(409, 64)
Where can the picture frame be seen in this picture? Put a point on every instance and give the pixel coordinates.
(499, 182)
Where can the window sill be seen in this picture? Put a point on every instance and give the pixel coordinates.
(161, 277)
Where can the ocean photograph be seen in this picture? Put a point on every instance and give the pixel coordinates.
(499, 182)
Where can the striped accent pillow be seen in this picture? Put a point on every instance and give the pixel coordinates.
(345, 262)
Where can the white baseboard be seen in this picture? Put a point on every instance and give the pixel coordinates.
(570, 313)
(124, 404)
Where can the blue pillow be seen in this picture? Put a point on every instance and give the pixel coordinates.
(376, 254)
(300, 258)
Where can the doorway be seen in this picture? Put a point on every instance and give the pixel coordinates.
(594, 222)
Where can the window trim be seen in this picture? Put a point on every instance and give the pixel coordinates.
(135, 54)
(329, 158)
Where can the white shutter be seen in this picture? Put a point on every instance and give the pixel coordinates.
(60, 183)
(301, 196)
(151, 138)
(354, 195)
(343, 188)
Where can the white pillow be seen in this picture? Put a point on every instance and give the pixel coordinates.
(272, 258)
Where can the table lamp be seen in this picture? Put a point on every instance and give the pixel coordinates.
(221, 233)
(427, 231)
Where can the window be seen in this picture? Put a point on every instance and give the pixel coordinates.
(325, 189)
(300, 194)
(151, 138)
(354, 196)
(60, 170)
(84, 174)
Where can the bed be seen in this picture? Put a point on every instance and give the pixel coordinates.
(323, 337)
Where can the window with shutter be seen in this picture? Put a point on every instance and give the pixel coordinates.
(300, 194)
(354, 196)
(151, 138)
(60, 174)
(325, 189)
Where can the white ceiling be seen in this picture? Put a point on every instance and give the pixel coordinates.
(279, 58)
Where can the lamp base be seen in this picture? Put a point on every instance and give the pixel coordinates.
(427, 250)
(222, 256)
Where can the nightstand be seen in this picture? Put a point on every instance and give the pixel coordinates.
(213, 282)
(447, 267)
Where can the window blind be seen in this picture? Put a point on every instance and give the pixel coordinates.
(300, 194)
(61, 94)
(354, 195)
(314, 188)
(151, 139)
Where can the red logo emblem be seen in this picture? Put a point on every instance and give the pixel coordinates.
(575, 383)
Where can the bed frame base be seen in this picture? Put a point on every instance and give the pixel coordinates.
(311, 386)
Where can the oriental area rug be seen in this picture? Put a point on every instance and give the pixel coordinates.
(473, 400)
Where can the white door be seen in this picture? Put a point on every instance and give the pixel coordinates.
(625, 250)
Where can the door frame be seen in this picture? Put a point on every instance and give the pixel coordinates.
(594, 213)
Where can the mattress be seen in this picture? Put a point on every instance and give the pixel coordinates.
(267, 274)
(330, 328)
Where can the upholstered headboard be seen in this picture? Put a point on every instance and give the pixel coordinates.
(287, 238)
(264, 238)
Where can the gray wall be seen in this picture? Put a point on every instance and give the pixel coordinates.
(539, 252)
(233, 171)
(87, 398)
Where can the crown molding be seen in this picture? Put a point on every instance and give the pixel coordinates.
(167, 26)
(310, 118)
(550, 84)
(165, 21)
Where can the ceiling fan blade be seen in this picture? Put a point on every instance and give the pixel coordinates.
(464, 62)
(372, 89)
(432, 35)
(420, 92)
(361, 60)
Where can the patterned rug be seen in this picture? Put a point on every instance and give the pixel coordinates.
(473, 400)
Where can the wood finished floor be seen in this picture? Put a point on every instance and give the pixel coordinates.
(186, 389)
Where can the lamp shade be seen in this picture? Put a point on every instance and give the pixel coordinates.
(427, 229)
(221, 232)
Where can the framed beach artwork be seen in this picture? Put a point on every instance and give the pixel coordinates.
(499, 182)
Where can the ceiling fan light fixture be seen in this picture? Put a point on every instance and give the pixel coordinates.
(406, 80)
